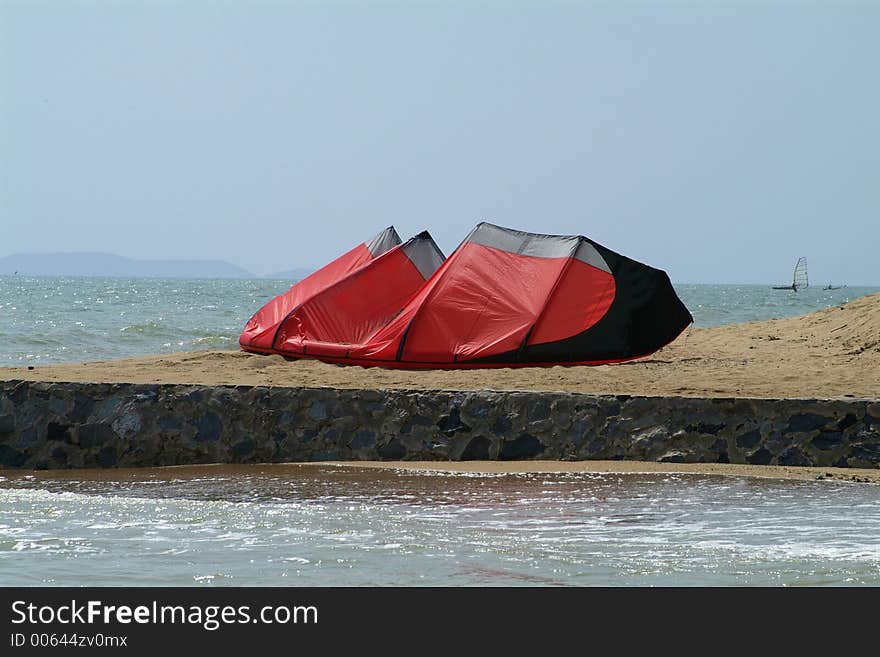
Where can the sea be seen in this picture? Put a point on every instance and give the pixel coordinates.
(323, 525)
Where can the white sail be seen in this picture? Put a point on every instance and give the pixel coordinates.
(800, 280)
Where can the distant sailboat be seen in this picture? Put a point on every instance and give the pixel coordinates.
(799, 279)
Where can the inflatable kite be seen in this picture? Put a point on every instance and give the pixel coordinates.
(504, 298)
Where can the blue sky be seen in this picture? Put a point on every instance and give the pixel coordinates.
(718, 141)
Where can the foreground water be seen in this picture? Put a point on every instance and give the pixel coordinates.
(51, 320)
(337, 526)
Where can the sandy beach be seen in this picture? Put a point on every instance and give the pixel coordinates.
(827, 354)
(623, 467)
(387, 468)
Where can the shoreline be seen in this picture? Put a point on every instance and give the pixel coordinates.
(860, 475)
(175, 472)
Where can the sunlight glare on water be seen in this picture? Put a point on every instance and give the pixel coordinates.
(331, 526)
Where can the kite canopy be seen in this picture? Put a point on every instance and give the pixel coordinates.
(504, 298)
(259, 332)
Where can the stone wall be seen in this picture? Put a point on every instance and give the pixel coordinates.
(79, 425)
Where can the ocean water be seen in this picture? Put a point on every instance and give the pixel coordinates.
(341, 526)
(331, 526)
(52, 320)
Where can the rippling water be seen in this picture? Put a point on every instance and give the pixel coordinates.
(50, 320)
(334, 526)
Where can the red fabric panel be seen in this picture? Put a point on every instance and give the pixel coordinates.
(260, 330)
(383, 345)
(484, 303)
(352, 309)
(580, 299)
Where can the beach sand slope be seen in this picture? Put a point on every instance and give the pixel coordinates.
(831, 353)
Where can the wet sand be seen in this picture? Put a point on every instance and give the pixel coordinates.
(387, 468)
(628, 467)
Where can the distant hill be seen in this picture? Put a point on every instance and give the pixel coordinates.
(108, 264)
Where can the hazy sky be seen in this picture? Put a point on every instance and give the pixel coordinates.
(717, 141)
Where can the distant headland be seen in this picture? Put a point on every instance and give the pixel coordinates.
(111, 265)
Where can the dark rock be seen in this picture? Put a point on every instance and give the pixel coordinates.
(828, 440)
(580, 430)
(793, 456)
(609, 406)
(373, 396)
(478, 408)
(415, 421)
(869, 452)
(538, 410)
(19, 393)
(749, 439)
(7, 423)
(106, 409)
(91, 435)
(128, 424)
(760, 457)
(324, 455)
(170, 423)
(701, 427)
(57, 431)
(719, 447)
(393, 450)
(318, 411)
(477, 449)
(107, 457)
(82, 408)
(522, 447)
(451, 424)
(244, 448)
(806, 422)
(30, 438)
(595, 448)
(373, 407)
(672, 457)
(362, 439)
(308, 435)
(502, 425)
(208, 428)
(144, 425)
(58, 406)
(11, 458)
